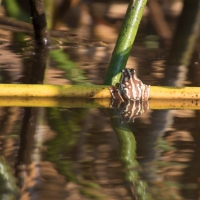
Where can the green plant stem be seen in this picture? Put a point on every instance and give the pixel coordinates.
(127, 144)
(125, 41)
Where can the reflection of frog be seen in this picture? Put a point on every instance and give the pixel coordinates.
(130, 96)
(130, 87)
(129, 110)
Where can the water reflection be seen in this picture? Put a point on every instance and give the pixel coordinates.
(74, 153)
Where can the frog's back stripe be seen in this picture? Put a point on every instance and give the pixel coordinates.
(131, 87)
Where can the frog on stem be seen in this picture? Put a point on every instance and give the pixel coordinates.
(130, 87)
(130, 96)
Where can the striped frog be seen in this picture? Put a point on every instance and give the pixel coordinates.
(130, 96)
(130, 87)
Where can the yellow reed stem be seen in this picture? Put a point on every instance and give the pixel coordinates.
(164, 92)
(69, 91)
(92, 91)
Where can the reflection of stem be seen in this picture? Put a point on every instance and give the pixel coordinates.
(26, 136)
(33, 74)
(63, 142)
(63, 145)
(127, 148)
(126, 141)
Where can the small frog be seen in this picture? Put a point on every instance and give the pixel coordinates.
(130, 96)
(130, 87)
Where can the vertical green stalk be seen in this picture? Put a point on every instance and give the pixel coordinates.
(125, 41)
(127, 143)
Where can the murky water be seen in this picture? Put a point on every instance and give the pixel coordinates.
(75, 150)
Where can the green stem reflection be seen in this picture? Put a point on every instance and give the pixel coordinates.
(127, 153)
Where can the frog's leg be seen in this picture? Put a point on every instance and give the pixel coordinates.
(117, 98)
